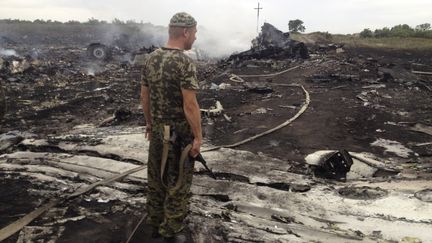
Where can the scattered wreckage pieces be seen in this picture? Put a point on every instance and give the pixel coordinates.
(424, 195)
(119, 115)
(258, 88)
(7, 140)
(221, 86)
(336, 166)
(396, 74)
(374, 162)
(418, 127)
(19, 66)
(342, 165)
(141, 56)
(289, 121)
(78, 165)
(16, 226)
(393, 147)
(236, 78)
(214, 111)
(64, 105)
(409, 239)
(425, 85)
(16, 65)
(326, 78)
(422, 73)
(99, 51)
(33, 233)
(227, 118)
(330, 165)
(272, 43)
(268, 75)
(336, 47)
(2, 101)
(284, 124)
(362, 192)
(241, 207)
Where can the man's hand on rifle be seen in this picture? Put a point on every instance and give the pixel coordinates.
(148, 132)
(196, 146)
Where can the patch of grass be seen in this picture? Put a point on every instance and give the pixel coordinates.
(404, 43)
(311, 38)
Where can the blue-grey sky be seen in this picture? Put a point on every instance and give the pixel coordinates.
(235, 19)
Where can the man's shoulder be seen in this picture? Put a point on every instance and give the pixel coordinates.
(155, 53)
(171, 53)
(173, 59)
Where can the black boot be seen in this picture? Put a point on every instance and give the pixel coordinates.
(178, 238)
(155, 233)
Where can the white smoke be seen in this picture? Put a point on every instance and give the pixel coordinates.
(222, 44)
(8, 52)
(213, 44)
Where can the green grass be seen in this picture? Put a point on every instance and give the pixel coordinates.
(405, 43)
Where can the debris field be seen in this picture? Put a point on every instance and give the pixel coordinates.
(352, 162)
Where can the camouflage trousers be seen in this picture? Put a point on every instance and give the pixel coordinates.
(167, 208)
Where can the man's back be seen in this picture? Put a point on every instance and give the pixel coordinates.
(166, 72)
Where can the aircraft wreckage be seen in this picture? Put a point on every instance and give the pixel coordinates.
(308, 143)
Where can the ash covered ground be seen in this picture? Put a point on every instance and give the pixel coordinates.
(71, 121)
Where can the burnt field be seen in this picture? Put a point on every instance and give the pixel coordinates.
(71, 121)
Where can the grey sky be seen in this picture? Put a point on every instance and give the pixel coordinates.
(234, 19)
(335, 16)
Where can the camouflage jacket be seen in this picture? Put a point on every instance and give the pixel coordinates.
(167, 71)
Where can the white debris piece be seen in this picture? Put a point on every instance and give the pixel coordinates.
(214, 111)
(393, 147)
(224, 86)
(259, 111)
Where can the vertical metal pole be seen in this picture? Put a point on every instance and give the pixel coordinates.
(258, 10)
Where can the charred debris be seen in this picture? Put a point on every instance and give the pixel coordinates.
(71, 116)
(61, 85)
(272, 43)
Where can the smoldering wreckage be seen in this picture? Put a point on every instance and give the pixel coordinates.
(335, 145)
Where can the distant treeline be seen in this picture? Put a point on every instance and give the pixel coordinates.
(15, 31)
(71, 22)
(402, 30)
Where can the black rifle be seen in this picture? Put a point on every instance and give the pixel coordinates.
(185, 142)
(200, 159)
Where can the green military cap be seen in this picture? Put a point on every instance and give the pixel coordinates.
(182, 19)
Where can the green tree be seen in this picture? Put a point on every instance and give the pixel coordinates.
(92, 21)
(384, 32)
(72, 22)
(402, 30)
(131, 22)
(296, 26)
(423, 27)
(117, 21)
(366, 33)
(39, 21)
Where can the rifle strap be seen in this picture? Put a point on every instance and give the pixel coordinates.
(165, 149)
(183, 157)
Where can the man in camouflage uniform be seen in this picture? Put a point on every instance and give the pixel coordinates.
(168, 96)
